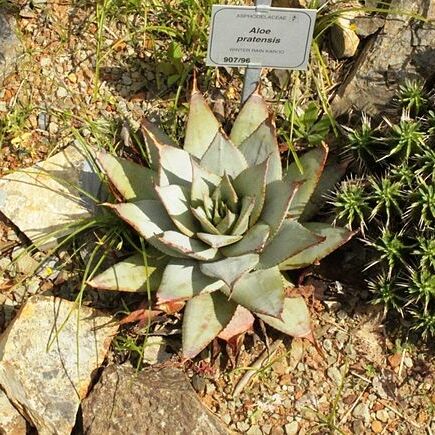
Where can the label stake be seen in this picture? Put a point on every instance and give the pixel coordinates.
(252, 74)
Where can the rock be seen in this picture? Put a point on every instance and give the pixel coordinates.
(404, 49)
(155, 350)
(11, 421)
(62, 92)
(296, 353)
(53, 181)
(291, 428)
(153, 402)
(358, 427)
(367, 25)
(39, 370)
(377, 426)
(362, 411)
(242, 426)
(10, 47)
(199, 384)
(24, 262)
(335, 375)
(344, 40)
(254, 430)
(382, 415)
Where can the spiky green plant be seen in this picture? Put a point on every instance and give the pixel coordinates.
(351, 204)
(407, 137)
(226, 222)
(411, 96)
(402, 201)
(363, 142)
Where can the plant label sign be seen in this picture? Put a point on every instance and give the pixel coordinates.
(260, 37)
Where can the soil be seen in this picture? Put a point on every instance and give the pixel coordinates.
(357, 378)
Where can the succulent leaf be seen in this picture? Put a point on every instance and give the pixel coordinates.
(312, 162)
(291, 239)
(253, 113)
(331, 174)
(253, 241)
(260, 291)
(223, 157)
(147, 217)
(187, 246)
(241, 225)
(131, 275)
(279, 195)
(176, 201)
(218, 241)
(204, 220)
(334, 238)
(183, 279)
(230, 269)
(154, 139)
(227, 193)
(225, 225)
(295, 318)
(216, 311)
(241, 322)
(202, 126)
(252, 182)
(134, 182)
(260, 146)
(175, 167)
(203, 183)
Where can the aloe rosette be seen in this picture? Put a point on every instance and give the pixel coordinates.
(225, 221)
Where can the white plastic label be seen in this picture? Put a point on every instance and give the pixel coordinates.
(260, 36)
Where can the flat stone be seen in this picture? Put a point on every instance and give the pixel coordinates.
(43, 199)
(11, 421)
(47, 363)
(152, 401)
(335, 375)
(155, 350)
(361, 411)
(291, 428)
(10, 47)
(344, 40)
(403, 49)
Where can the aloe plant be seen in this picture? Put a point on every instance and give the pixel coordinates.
(226, 221)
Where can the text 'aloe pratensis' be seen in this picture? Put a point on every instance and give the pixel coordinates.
(228, 221)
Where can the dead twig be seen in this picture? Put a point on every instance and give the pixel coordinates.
(253, 369)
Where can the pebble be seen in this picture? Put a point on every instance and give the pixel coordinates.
(226, 418)
(334, 374)
(45, 61)
(62, 92)
(362, 411)
(3, 106)
(254, 430)
(327, 344)
(242, 426)
(377, 426)
(266, 429)
(199, 383)
(42, 121)
(53, 128)
(277, 430)
(291, 428)
(358, 427)
(408, 362)
(126, 79)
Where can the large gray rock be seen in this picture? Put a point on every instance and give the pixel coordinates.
(43, 200)
(152, 402)
(48, 360)
(10, 47)
(11, 421)
(404, 48)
